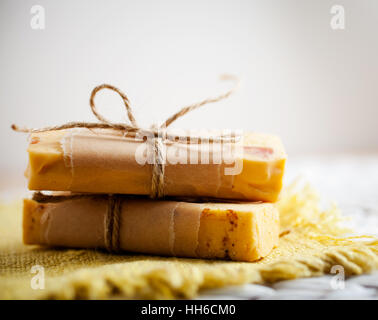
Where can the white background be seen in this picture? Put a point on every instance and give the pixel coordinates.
(315, 87)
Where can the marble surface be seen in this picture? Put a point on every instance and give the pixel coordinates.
(364, 287)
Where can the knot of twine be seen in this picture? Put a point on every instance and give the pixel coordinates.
(157, 183)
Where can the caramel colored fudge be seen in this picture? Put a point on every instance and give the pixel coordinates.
(104, 161)
(236, 231)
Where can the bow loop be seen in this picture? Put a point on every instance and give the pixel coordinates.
(125, 99)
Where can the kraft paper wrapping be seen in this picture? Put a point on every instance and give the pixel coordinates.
(235, 231)
(74, 223)
(114, 157)
(147, 226)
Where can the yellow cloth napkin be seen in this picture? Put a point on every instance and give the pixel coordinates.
(310, 245)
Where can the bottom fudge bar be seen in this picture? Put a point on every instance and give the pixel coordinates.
(236, 231)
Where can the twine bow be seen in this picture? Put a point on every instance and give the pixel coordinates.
(133, 127)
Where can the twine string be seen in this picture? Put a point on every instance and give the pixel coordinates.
(112, 223)
(197, 105)
(158, 169)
